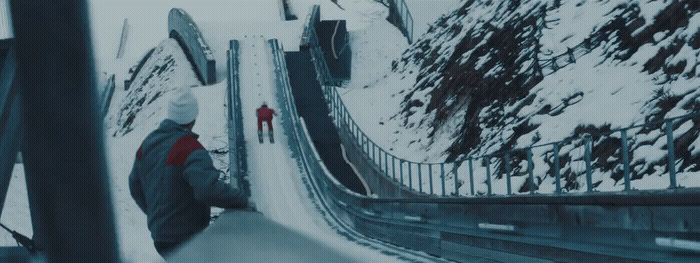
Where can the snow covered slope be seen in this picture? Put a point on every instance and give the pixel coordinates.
(483, 80)
(275, 177)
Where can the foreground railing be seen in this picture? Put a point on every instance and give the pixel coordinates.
(538, 168)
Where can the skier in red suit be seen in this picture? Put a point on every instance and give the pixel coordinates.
(265, 114)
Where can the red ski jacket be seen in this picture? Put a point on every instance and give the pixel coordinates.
(265, 113)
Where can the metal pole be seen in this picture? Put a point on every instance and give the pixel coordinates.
(529, 170)
(442, 177)
(401, 171)
(430, 177)
(420, 178)
(557, 174)
(507, 165)
(393, 167)
(589, 173)
(471, 176)
(67, 179)
(671, 153)
(410, 177)
(454, 169)
(374, 149)
(488, 174)
(625, 159)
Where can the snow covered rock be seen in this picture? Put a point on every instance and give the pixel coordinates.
(498, 75)
(166, 69)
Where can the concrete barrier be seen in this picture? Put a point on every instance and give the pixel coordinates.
(380, 184)
(182, 28)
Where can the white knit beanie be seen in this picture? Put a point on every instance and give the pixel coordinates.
(182, 106)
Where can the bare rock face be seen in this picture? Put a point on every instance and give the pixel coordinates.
(491, 58)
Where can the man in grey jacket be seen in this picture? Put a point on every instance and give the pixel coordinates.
(173, 179)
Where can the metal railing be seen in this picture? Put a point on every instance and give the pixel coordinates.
(400, 8)
(238, 166)
(497, 173)
(309, 39)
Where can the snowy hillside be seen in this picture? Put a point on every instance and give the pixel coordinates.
(496, 75)
(160, 73)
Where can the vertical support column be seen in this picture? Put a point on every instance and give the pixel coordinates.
(471, 177)
(67, 179)
(529, 170)
(507, 165)
(587, 144)
(625, 159)
(557, 174)
(488, 175)
(671, 153)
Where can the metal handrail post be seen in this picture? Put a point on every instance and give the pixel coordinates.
(410, 177)
(430, 177)
(625, 159)
(393, 167)
(557, 174)
(401, 171)
(471, 177)
(420, 178)
(670, 145)
(454, 169)
(442, 177)
(488, 175)
(529, 170)
(508, 182)
(587, 145)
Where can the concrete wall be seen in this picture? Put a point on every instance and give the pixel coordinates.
(312, 107)
(379, 184)
(182, 28)
(333, 36)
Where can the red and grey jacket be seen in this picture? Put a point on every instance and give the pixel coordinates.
(264, 113)
(174, 182)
